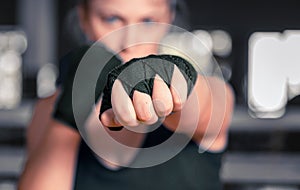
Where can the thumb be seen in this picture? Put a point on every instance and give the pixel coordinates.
(108, 119)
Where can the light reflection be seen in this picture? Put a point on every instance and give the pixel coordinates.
(12, 45)
(46, 80)
(10, 80)
(222, 43)
(17, 41)
(197, 44)
(273, 72)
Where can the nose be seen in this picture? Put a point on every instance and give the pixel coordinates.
(130, 38)
(136, 42)
(130, 43)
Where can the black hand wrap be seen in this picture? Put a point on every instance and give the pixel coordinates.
(138, 74)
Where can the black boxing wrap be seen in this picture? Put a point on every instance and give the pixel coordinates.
(138, 74)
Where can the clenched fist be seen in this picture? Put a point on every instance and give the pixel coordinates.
(145, 89)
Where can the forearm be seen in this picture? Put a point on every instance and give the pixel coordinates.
(52, 165)
(212, 129)
(39, 122)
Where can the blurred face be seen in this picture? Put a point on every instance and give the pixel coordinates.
(102, 17)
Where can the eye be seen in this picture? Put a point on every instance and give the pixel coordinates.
(147, 20)
(111, 19)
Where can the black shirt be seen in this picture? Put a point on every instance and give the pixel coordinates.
(187, 170)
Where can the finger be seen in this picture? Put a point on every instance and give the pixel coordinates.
(122, 106)
(178, 89)
(161, 97)
(107, 119)
(144, 108)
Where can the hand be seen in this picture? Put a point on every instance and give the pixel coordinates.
(144, 90)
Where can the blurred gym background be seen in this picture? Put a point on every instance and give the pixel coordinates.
(255, 42)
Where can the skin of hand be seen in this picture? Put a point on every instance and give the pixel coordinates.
(144, 108)
(212, 115)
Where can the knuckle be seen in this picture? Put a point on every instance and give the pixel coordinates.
(164, 109)
(144, 117)
(177, 104)
(169, 110)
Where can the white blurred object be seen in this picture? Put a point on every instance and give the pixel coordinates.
(17, 41)
(46, 79)
(10, 79)
(222, 43)
(205, 38)
(3, 41)
(13, 44)
(194, 47)
(274, 65)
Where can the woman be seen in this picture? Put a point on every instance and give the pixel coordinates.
(54, 157)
